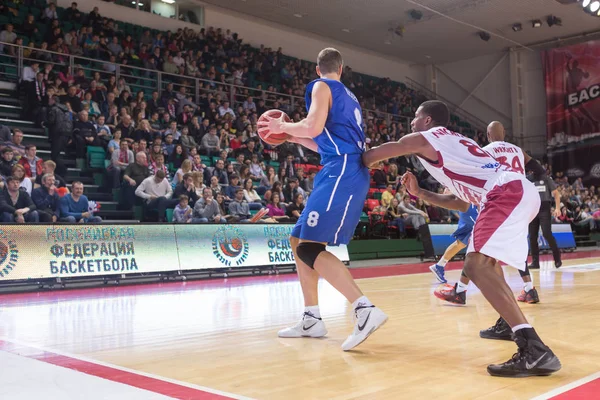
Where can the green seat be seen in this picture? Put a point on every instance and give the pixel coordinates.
(170, 214)
(364, 217)
(97, 162)
(377, 195)
(95, 149)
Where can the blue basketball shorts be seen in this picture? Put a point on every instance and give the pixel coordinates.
(334, 207)
(463, 233)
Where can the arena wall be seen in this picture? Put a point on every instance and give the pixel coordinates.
(491, 99)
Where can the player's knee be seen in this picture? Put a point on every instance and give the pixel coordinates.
(477, 263)
(468, 269)
(309, 251)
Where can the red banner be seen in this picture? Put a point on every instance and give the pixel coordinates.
(572, 76)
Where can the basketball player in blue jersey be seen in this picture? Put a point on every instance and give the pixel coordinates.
(333, 128)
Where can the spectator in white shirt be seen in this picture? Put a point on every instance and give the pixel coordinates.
(225, 109)
(30, 72)
(157, 193)
(50, 12)
(253, 199)
(249, 105)
(8, 36)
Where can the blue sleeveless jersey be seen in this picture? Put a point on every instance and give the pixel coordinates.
(334, 207)
(343, 132)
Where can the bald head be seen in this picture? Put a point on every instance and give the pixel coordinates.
(495, 132)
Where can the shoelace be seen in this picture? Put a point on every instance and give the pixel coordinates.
(522, 352)
(360, 308)
(309, 314)
(498, 324)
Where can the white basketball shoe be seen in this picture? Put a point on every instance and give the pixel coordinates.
(309, 326)
(368, 320)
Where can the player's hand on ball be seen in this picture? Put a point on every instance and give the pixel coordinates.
(411, 184)
(272, 125)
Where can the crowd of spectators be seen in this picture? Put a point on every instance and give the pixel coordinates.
(157, 142)
(580, 205)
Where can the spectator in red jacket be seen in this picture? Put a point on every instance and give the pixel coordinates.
(33, 164)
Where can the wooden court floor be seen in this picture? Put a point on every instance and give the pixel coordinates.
(223, 335)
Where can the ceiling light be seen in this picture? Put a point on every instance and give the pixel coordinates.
(585, 3)
(168, 1)
(484, 36)
(298, 15)
(595, 6)
(346, 30)
(552, 20)
(517, 27)
(426, 56)
(536, 23)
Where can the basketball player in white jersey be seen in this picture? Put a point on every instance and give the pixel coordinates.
(509, 156)
(507, 201)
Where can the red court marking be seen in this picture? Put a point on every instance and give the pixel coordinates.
(112, 374)
(589, 390)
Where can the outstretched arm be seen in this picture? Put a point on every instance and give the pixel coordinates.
(309, 127)
(448, 201)
(414, 143)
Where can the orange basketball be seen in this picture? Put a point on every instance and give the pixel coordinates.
(278, 138)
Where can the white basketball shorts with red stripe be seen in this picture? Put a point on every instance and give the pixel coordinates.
(502, 226)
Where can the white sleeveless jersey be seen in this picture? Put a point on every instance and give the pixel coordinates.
(467, 170)
(507, 154)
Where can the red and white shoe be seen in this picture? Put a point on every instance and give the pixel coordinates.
(448, 293)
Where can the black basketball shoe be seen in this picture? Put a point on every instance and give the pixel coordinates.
(500, 331)
(533, 358)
